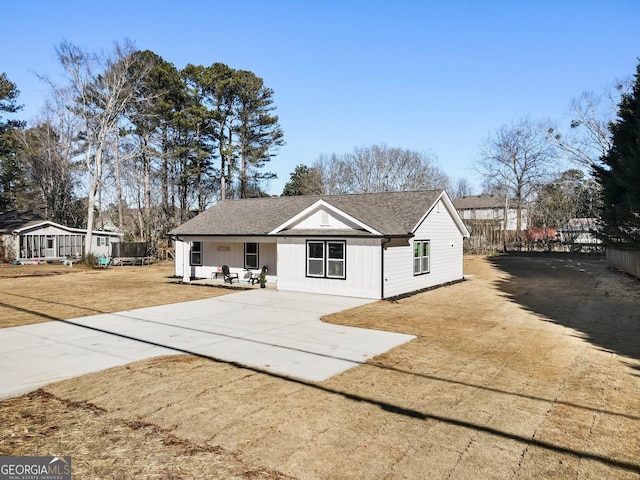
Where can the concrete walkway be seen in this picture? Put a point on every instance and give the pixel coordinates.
(270, 330)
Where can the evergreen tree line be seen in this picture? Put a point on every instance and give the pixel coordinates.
(130, 138)
(618, 174)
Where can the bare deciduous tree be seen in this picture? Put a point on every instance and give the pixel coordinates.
(590, 114)
(379, 168)
(50, 173)
(101, 87)
(515, 160)
(460, 188)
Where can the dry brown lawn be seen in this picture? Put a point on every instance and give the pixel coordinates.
(40, 293)
(528, 370)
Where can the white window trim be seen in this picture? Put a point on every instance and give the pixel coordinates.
(421, 257)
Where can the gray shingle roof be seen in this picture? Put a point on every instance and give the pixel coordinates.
(391, 213)
(479, 201)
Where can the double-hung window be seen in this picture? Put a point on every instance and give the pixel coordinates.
(196, 253)
(335, 259)
(315, 259)
(326, 259)
(420, 257)
(251, 256)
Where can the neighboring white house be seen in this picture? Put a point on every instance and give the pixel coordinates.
(375, 245)
(580, 231)
(492, 208)
(28, 238)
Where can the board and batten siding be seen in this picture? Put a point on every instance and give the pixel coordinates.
(362, 268)
(445, 256)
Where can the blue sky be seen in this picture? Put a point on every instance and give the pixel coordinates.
(424, 75)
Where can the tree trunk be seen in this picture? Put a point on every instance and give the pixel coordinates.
(119, 184)
(243, 174)
(146, 165)
(199, 192)
(223, 183)
(164, 174)
(95, 173)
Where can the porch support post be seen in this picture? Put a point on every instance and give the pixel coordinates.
(186, 261)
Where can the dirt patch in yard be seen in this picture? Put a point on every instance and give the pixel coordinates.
(41, 293)
(529, 369)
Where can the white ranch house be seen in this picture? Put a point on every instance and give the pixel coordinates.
(27, 238)
(376, 245)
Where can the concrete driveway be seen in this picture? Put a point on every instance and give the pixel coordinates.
(279, 332)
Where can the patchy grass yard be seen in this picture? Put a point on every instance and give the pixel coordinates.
(529, 369)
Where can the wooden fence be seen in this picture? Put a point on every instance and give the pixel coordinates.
(625, 260)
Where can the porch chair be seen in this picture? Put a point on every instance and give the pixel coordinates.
(253, 277)
(228, 275)
(103, 261)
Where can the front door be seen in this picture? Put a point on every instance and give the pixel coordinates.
(222, 255)
(50, 248)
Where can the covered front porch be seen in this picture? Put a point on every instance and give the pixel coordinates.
(201, 259)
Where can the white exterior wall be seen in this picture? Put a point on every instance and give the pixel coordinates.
(102, 249)
(178, 264)
(362, 269)
(445, 259)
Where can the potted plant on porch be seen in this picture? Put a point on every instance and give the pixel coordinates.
(262, 278)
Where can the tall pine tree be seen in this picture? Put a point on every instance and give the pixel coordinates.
(619, 175)
(11, 175)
